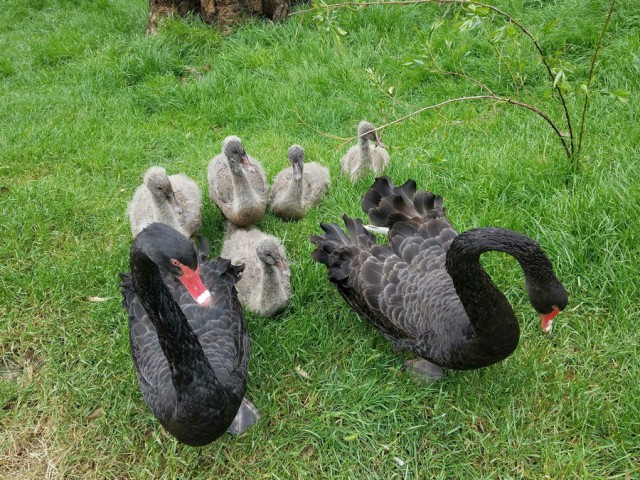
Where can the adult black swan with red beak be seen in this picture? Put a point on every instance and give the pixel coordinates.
(188, 336)
(427, 291)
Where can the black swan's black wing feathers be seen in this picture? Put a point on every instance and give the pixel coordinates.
(416, 220)
(359, 268)
(228, 344)
(400, 288)
(220, 328)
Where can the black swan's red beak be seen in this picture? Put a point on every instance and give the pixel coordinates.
(547, 319)
(191, 281)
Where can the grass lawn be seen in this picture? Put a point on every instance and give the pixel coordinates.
(88, 103)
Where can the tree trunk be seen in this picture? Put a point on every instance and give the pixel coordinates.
(220, 12)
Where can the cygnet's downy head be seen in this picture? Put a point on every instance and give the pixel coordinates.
(296, 157)
(366, 131)
(159, 185)
(269, 253)
(234, 150)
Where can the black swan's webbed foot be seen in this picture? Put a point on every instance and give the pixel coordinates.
(424, 371)
(246, 418)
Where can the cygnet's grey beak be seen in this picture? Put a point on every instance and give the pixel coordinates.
(246, 163)
(174, 203)
(297, 171)
(283, 268)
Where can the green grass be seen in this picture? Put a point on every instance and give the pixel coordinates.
(88, 103)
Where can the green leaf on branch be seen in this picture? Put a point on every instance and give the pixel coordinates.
(550, 26)
(560, 77)
(621, 95)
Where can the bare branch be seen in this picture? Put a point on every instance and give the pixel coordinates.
(326, 135)
(589, 78)
(544, 62)
(495, 98)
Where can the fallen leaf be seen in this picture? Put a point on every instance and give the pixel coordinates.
(98, 412)
(308, 451)
(10, 371)
(193, 71)
(302, 373)
(98, 299)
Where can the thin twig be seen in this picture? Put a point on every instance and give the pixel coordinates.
(326, 135)
(524, 30)
(495, 98)
(589, 78)
(544, 62)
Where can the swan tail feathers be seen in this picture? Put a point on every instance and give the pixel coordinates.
(222, 268)
(339, 251)
(247, 416)
(386, 205)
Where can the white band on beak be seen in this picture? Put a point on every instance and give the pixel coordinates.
(204, 298)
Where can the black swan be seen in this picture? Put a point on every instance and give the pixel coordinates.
(189, 341)
(427, 292)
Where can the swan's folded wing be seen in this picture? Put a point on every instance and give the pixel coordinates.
(280, 184)
(221, 327)
(377, 282)
(367, 277)
(316, 182)
(140, 210)
(190, 199)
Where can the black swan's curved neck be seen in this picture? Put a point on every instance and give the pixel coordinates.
(487, 308)
(179, 343)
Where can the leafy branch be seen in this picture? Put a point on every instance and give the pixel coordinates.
(495, 98)
(588, 84)
(571, 147)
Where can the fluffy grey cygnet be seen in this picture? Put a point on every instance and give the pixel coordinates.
(365, 156)
(265, 286)
(299, 187)
(173, 200)
(237, 184)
